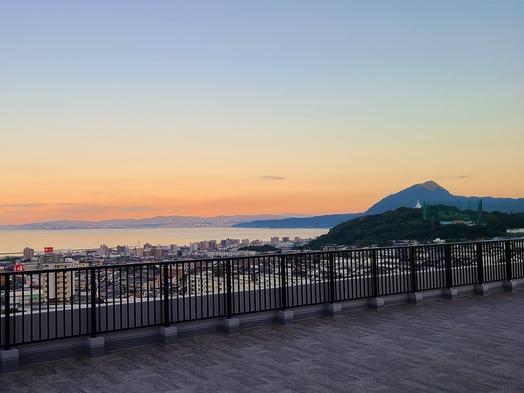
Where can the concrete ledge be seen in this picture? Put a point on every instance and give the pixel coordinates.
(510, 286)
(465, 290)
(307, 312)
(482, 289)
(286, 317)
(9, 361)
(254, 320)
(376, 303)
(199, 328)
(168, 335)
(450, 293)
(95, 347)
(396, 299)
(354, 305)
(415, 298)
(334, 310)
(115, 341)
(432, 294)
(230, 325)
(52, 350)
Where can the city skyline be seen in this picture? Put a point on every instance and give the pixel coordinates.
(134, 110)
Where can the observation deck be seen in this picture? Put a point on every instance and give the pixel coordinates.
(414, 318)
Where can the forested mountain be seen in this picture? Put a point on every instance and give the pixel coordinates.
(408, 224)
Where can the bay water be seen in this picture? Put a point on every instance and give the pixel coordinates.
(14, 241)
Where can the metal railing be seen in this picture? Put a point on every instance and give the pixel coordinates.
(45, 305)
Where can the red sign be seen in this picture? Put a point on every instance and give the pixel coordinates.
(48, 249)
(19, 268)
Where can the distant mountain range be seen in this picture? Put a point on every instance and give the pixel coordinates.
(326, 221)
(153, 222)
(429, 192)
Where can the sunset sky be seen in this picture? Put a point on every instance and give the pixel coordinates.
(131, 109)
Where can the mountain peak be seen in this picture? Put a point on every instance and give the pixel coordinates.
(409, 197)
(429, 185)
(431, 192)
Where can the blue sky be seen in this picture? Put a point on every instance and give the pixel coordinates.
(256, 107)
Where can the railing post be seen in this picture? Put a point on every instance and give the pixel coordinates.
(480, 265)
(331, 278)
(374, 272)
(229, 297)
(93, 303)
(448, 266)
(7, 318)
(413, 266)
(166, 296)
(509, 270)
(283, 289)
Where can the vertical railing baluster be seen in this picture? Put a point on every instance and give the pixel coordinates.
(7, 318)
(229, 297)
(283, 289)
(480, 265)
(374, 272)
(331, 278)
(507, 250)
(448, 267)
(413, 268)
(93, 303)
(166, 297)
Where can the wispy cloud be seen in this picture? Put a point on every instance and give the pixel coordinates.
(69, 208)
(452, 177)
(27, 205)
(273, 178)
(75, 208)
(137, 209)
(17, 212)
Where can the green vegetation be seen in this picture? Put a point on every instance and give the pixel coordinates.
(405, 223)
(441, 212)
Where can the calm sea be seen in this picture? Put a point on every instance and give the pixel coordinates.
(16, 241)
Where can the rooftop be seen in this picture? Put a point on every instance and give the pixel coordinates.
(472, 344)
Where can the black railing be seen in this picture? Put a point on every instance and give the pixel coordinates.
(45, 305)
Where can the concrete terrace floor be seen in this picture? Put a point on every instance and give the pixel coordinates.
(473, 344)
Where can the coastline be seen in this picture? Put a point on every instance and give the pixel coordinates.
(14, 241)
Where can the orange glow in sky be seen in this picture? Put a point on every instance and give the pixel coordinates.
(130, 111)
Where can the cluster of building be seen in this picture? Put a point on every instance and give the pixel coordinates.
(122, 254)
(66, 285)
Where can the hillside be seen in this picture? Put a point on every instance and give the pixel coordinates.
(407, 223)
